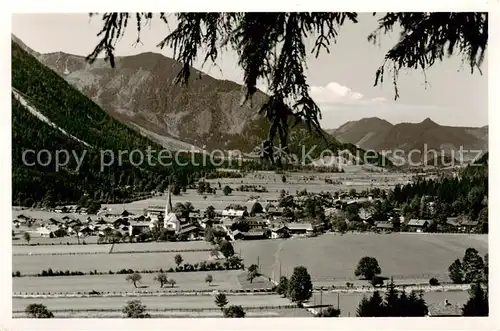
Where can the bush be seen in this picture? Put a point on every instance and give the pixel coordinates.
(433, 282)
(18, 274)
(377, 281)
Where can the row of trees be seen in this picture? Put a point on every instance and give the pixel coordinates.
(395, 304)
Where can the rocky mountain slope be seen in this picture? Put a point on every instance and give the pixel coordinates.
(380, 135)
(49, 114)
(206, 114)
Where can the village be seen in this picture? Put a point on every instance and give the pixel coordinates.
(279, 218)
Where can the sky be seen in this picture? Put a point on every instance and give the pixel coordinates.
(341, 82)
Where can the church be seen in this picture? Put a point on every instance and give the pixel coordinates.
(170, 220)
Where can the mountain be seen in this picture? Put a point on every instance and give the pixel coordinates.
(357, 131)
(205, 114)
(49, 114)
(380, 135)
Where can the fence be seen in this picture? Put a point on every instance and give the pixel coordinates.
(262, 291)
(118, 252)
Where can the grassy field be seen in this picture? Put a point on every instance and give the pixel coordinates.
(163, 246)
(222, 280)
(105, 248)
(60, 249)
(349, 301)
(330, 258)
(170, 302)
(18, 241)
(273, 183)
(33, 264)
(333, 257)
(296, 312)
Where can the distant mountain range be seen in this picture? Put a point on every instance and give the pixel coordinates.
(206, 114)
(377, 134)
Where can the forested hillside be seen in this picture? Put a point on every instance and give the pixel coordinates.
(67, 108)
(466, 194)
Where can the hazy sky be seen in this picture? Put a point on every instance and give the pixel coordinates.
(341, 82)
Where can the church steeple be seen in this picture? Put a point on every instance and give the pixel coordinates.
(168, 206)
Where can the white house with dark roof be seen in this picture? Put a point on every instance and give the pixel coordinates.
(232, 213)
(418, 225)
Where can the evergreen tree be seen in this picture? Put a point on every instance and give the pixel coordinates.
(477, 305)
(221, 301)
(456, 272)
(472, 266)
(392, 299)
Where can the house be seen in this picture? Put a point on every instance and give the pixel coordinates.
(445, 309)
(61, 209)
(274, 211)
(280, 232)
(385, 226)
(23, 218)
(233, 213)
(344, 196)
(366, 215)
(250, 235)
(155, 211)
(84, 231)
(141, 218)
(453, 222)
(189, 230)
(255, 222)
(55, 221)
(105, 229)
(137, 227)
(418, 225)
(125, 213)
(101, 222)
(84, 211)
(300, 228)
(254, 235)
(466, 224)
(46, 231)
(120, 221)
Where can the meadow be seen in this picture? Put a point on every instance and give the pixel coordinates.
(60, 249)
(332, 258)
(34, 264)
(170, 302)
(222, 280)
(295, 181)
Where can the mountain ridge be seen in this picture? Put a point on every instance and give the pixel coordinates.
(206, 114)
(376, 134)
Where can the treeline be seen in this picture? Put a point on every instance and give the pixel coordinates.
(461, 195)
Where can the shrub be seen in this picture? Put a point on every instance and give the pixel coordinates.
(433, 282)
(38, 311)
(377, 281)
(18, 273)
